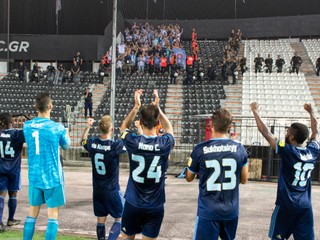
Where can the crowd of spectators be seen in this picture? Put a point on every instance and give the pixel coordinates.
(147, 49)
(54, 74)
(231, 62)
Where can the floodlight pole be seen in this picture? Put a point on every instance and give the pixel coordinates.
(147, 9)
(8, 37)
(235, 9)
(113, 60)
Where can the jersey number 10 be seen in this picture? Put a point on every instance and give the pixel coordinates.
(302, 174)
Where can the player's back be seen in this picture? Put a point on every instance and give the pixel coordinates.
(219, 163)
(11, 143)
(104, 156)
(43, 138)
(294, 183)
(148, 157)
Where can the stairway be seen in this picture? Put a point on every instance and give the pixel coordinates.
(308, 69)
(173, 108)
(79, 125)
(233, 101)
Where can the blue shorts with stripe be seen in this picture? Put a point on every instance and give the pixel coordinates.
(142, 220)
(10, 182)
(105, 203)
(53, 197)
(213, 229)
(286, 222)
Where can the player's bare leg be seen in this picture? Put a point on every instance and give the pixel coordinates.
(126, 237)
(147, 238)
(30, 222)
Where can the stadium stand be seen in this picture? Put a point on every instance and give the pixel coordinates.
(313, 48)
(18, 97)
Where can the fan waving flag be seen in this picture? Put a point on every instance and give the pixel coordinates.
(58, 6)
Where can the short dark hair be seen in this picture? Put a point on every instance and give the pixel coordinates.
(149, 116)
(300, 132)
(43, 101)
(221, 120)
(5, 120)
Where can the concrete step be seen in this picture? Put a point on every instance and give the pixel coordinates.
(174, 105)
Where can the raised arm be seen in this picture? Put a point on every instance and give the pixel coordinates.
(130, 117)
(263, 129)
(86, 130)
(163, 118)
(314, 122)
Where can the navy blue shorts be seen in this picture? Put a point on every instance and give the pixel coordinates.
(213, 229)
(142, 220)
(10, 182)
(286, 222)
(105, 203)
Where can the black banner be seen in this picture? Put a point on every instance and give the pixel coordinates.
(50, 47)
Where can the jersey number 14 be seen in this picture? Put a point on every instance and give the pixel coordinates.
(6, 150)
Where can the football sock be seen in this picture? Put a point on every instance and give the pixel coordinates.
(115, 230)
(52, 229)
(101, 231)
(12, 205)
(1, 207)
(28, 229)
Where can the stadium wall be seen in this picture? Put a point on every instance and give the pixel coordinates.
(49, 47)
(267, 27)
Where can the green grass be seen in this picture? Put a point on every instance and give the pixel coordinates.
(17, 235)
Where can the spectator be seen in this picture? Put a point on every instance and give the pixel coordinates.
(173, 74)
(157, 63)
(211, 73)
(141, 63)
(318, 66)
(127, 64)
(279, 63)
(243, 65)
(60, 74)
(78, 59)
(119, 67)
(75, 69)
(21, 71)
(296, 62)
(258, 63)
(87, 103)
(269, 62)
(163, 63)
(35, 74)
(51, 72)
(151, 64)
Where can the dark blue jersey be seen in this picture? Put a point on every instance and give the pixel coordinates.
(11, 143)
(294, 183)
(148, 157)
(104, 156)
(219, 163)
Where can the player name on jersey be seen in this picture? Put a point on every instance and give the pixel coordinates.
(222, 148)
(3, 135)
(36, 125)
(148, 147)
(101, 147)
